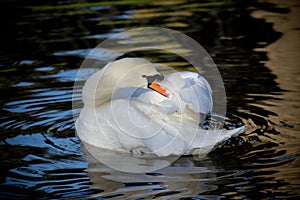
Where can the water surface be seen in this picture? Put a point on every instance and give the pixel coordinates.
(254, 44)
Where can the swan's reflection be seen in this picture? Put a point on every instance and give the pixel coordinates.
(184, 177)
(121, 161)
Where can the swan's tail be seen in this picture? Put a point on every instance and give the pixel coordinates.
(206, 140)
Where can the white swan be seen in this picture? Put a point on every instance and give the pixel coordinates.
(130, 106)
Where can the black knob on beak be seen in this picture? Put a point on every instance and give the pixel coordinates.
(151, 79)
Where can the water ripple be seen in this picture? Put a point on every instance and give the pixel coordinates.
(42, 158)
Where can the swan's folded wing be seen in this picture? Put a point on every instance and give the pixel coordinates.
(196, 92)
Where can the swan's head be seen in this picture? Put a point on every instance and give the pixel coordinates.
(126, 72)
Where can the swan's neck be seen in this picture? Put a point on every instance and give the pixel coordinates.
(99, 88)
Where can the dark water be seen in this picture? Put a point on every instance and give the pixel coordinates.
(254, 44)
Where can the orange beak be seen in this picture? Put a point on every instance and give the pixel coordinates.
(157, 88)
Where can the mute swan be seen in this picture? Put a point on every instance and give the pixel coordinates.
(130, 107)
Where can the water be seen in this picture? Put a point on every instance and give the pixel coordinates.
(254, 44)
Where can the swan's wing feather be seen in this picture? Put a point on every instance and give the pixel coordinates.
(206, 140)
(196, 92)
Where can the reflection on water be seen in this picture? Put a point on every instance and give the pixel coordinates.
(184, 178)
(254, 45)
(121, 161)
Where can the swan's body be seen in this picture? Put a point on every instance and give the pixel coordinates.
(121, 113)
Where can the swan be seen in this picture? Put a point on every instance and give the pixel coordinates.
(130, 107)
